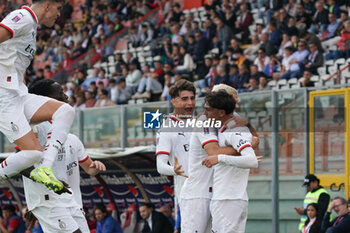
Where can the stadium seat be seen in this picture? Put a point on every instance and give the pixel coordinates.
(292, 81)
(281, 83)
(340, 61)
(315, 78)
(272, 83)
(111, 60)
(321, 71)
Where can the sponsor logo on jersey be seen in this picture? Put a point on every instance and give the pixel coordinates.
(16, 19)
(241, 143)
(61, 224)
(14, 127)
(187, 147)
(151, 120)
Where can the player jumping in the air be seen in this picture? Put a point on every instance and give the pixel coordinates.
(17, 107)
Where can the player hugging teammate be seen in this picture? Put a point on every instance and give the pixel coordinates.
(211, 177)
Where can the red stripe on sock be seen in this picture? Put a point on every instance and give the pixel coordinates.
(2, 165)
(5, 163)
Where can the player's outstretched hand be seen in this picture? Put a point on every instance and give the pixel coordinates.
(178, 168)
(98, 166)
(259, 158)
(210, 161)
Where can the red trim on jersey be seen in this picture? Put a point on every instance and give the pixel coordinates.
(31, 12)
(240, 149)
(162, 152)
(5, 163)
(206, 142)
(173, 118)
(17, 148)
(2, 165)
(50, 121)
(83, 160)
(223, 129)
(7, 28)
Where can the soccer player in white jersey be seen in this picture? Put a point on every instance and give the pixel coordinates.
(229, 204)
(60, 213)
(196, 192)
(173, 143)
(17, 107)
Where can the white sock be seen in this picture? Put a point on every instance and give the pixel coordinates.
(62, 120)
(16, 163)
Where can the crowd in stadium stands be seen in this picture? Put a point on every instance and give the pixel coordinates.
(225, 44)
(104, 219)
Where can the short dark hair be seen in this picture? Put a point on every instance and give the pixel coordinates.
(181, 85)
(148, 205)
(104, 92)
(42, 1)
(221, 100)
(102, 207)
(10, 208)
(42, 87)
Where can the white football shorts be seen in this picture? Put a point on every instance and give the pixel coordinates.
(229, 216)
(16, 112)
(61, 219)
(195, 215)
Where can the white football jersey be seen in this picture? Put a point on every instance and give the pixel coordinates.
(230, 182)
(174, 141)
(17, 52)
(200, 178)
(65, 167)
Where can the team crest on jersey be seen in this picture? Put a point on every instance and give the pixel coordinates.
(61, 224)
(14, 127)
(16, 19)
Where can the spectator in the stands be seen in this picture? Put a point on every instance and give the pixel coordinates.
(175, 31)
(235, 44)
(118, 26)
(307, 79)
(200, 48)
(262, 60)
(312, 38)
(105, 222)
(129, 58)
(263, 84)
(342, 222)
(134, 76)
(331, 28)
(244, 20)
(134, 36)
(286, 42)
(186, 64)
(118, 64)
(224, 34)
(79, 76)
(242, 80)
(320, 19)
(314, 59)
(252, 51)
(343, 44)
(240, 58)
(90, 99)
(303, 20)
(149, 84)
(333, 7)
(145, 35)
(268, 47)
(102, 78)
(80, 103)
(112, 90)
(10, 221)
(271, 68)
(167, 211)
(253, 84)
(209, 29)
(290, 68)
(103, 100)
(124, 93)
(275, 34)
(282, 20)
(292, 29)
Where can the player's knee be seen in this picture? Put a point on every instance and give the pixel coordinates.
(35, 155)
(65, 110)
